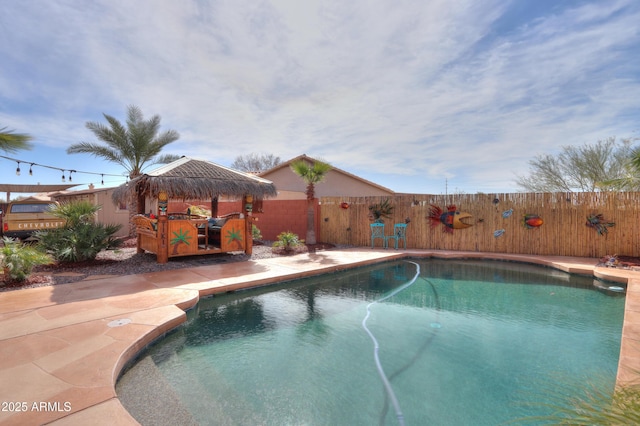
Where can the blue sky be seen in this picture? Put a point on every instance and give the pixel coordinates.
(416, 96)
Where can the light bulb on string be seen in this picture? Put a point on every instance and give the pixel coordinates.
(31, 169)
(18, 169)
(102, 181)
(63, 178)
(70, 178)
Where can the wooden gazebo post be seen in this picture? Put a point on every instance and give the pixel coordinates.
(163, 229)
(247, 207)
(214, 206)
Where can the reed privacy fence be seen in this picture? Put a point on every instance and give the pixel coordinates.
(344, 220)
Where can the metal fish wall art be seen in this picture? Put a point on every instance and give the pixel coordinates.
(451, 219)
(531, 221)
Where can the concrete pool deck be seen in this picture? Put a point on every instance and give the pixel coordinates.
(63, 347)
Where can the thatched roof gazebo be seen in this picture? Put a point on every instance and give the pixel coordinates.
(188, 178)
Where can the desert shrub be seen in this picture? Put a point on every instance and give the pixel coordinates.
(18, 259)
(255, 233)
(80, 238)
(288, 241)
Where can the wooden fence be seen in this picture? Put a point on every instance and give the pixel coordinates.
(564, 231)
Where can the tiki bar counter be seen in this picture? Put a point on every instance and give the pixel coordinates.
(169, 234)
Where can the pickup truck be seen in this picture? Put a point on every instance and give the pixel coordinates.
(22, 218)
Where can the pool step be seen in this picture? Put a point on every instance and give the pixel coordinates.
(145, 393)
(610, 288)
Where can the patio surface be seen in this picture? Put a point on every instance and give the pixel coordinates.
(63, 347)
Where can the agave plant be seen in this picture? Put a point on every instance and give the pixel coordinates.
(380, 211)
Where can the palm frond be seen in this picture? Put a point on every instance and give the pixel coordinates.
(97, 151)
(166, 159)
(12, 142)
(133, 145)
(311, 173)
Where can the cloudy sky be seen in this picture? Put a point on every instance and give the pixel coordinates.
(418, 96)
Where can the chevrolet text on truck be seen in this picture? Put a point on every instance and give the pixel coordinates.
(24, 217)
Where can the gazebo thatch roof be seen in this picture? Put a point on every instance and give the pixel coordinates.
(188, 178)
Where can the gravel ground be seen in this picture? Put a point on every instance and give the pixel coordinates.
(125, 261)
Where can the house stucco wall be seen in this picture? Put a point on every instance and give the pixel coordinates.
(335, 184)
(108, 214)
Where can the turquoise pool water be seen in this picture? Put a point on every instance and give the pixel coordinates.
(466, 343)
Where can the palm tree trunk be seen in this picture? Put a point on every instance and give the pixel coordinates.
(131, 206)
(311, 233)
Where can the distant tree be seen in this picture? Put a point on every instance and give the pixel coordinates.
(134, 146)
(630, 181)
(255, 163)
(586, 168)
(13, 142)
(311, 174)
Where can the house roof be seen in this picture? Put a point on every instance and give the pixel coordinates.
(37, 197)
(333, 168)
(93, 190)
(190, 178)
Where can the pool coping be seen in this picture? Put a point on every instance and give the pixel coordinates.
(63, 347)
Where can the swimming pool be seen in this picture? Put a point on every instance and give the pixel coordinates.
(466, 342)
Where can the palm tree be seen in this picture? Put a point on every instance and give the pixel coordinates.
(133, 146)
(311, 174)
(12, 142)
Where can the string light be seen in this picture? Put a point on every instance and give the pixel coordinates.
(102, 175)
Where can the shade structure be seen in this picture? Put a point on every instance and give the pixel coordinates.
(34, 189)
(189, 178)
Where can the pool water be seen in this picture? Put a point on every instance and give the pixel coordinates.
(466, 343)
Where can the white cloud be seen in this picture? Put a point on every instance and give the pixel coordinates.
(426, 90)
